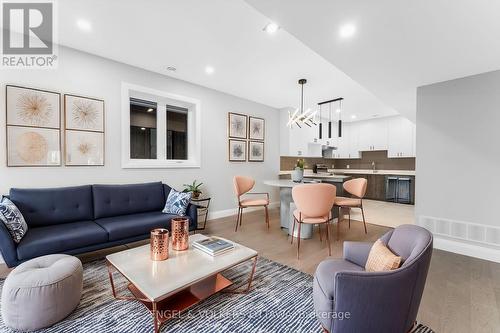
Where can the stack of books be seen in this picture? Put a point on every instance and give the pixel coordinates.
(213, 246)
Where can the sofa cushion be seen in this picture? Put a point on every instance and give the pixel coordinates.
(177, 202)
(13, 219)
(120, 227)
(60, 238)
(50, 206)
(116, 200)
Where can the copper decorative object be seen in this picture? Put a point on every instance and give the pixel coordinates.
(159, 244)
(180, 233)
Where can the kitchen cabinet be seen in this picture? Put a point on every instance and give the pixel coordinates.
(400, 138)
(371, 134)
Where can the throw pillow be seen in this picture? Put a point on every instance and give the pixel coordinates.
(177, 202)
(13, 219)
(381, 258)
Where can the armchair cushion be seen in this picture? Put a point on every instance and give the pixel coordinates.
(357, 252)
(381, 258)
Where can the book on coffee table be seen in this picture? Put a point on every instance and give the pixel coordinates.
(213, 245)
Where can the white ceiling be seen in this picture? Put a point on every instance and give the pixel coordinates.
(399, 44)
(226, 34)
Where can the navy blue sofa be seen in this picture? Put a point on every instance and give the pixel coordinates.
(80, 219)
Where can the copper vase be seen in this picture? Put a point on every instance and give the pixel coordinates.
(159, 244)
(180, 233)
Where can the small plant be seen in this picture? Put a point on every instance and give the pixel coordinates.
(300, 163)
(195, 188)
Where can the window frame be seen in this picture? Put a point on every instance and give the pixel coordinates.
(162, 99)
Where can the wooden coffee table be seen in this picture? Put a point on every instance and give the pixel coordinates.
(169, 287)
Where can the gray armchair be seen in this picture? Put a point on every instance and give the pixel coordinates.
(349, 299)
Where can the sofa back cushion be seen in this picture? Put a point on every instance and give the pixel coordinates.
(50, 206)
(116, 200)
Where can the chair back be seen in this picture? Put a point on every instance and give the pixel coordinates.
(314, 200)
(356, 187)
(242, 185)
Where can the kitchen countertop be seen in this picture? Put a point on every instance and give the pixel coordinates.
(289, 183)
(309, 174)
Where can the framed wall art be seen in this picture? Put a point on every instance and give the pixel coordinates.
(237, 150)
(33, 127)
(84, 131)
(255, 151)
(237, 125)
(256, 128)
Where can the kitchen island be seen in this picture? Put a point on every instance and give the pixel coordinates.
(286, 201)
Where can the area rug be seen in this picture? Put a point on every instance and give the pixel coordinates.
(280, 301)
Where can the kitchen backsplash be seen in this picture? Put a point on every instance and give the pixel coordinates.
(382, 162)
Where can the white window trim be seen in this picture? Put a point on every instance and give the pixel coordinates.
(194, 129)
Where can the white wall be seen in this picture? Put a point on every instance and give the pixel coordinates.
(458, 163)
(83, 74)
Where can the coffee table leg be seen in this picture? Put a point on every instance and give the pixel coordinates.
(249, 284)
(155, 317)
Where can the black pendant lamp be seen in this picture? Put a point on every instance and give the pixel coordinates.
(320, 124)
(340, 99)
(340, 118)
(330, 121)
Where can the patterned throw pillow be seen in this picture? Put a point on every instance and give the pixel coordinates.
(177, 202)
(381, 258)
(13, 219)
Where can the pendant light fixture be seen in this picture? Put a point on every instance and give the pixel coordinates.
(299, 116)
(329, 121)
(339, 111)
(320, 125)
(340, 118)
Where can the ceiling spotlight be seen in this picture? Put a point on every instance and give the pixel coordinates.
(353, 116)
(271, 28)
(209, 70)
(84, 25)
(143, 128)
(150, 110)
(172, 69)
(347, 30)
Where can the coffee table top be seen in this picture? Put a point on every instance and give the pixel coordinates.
(160, 279)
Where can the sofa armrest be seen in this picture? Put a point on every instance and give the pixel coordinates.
(357, 252)
(192, 213)
(7, 246)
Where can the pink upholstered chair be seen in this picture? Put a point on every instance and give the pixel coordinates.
(357, 188)
(314, 206)
(242, 186)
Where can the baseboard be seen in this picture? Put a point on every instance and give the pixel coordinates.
(233, 211)
(467, 249)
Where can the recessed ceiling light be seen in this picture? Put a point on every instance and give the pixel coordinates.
(353, 116)
(172, 69)
(338, 110)
(209, 70)
(347, 30)
(271, 28)
(84, 25)
(143, 128)
(150, 110)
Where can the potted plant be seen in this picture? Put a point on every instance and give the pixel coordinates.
(298, 173)
(194, 188)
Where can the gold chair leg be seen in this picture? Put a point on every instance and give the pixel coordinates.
(267, 217)
(238, 219)
(319, 228)
(364, 222)
(298, 241)
(328, 240)
(293, 229)
(349, 212)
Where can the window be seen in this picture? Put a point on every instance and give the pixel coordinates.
(159, 129)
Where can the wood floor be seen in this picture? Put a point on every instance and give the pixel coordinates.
(462, 294)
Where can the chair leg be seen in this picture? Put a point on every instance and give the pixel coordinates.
(241, 216)
(293, 229)
(349, 217)
(237, 219)
(364, 222)
(267, 217)
(298, 241)
(319, 228)
(328, 240)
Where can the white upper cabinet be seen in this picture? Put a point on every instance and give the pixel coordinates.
(371, 134)
(401, 137)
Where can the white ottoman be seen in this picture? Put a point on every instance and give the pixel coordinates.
(42, 292)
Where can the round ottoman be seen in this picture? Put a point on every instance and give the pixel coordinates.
(41, 292)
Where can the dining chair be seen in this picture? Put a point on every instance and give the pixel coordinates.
(314, 206)
(357, 188)
(242, 186)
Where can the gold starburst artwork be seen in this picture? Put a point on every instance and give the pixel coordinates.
(34, 109)
(32, 147)
(85, 148)
(84, 113)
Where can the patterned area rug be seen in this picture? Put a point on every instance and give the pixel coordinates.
(280, 301)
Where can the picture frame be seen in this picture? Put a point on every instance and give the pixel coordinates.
(256, 128)
(237, 150)
(255, 151)
(84, 148)
(237, 125)
(33, 146)
(83, 113)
